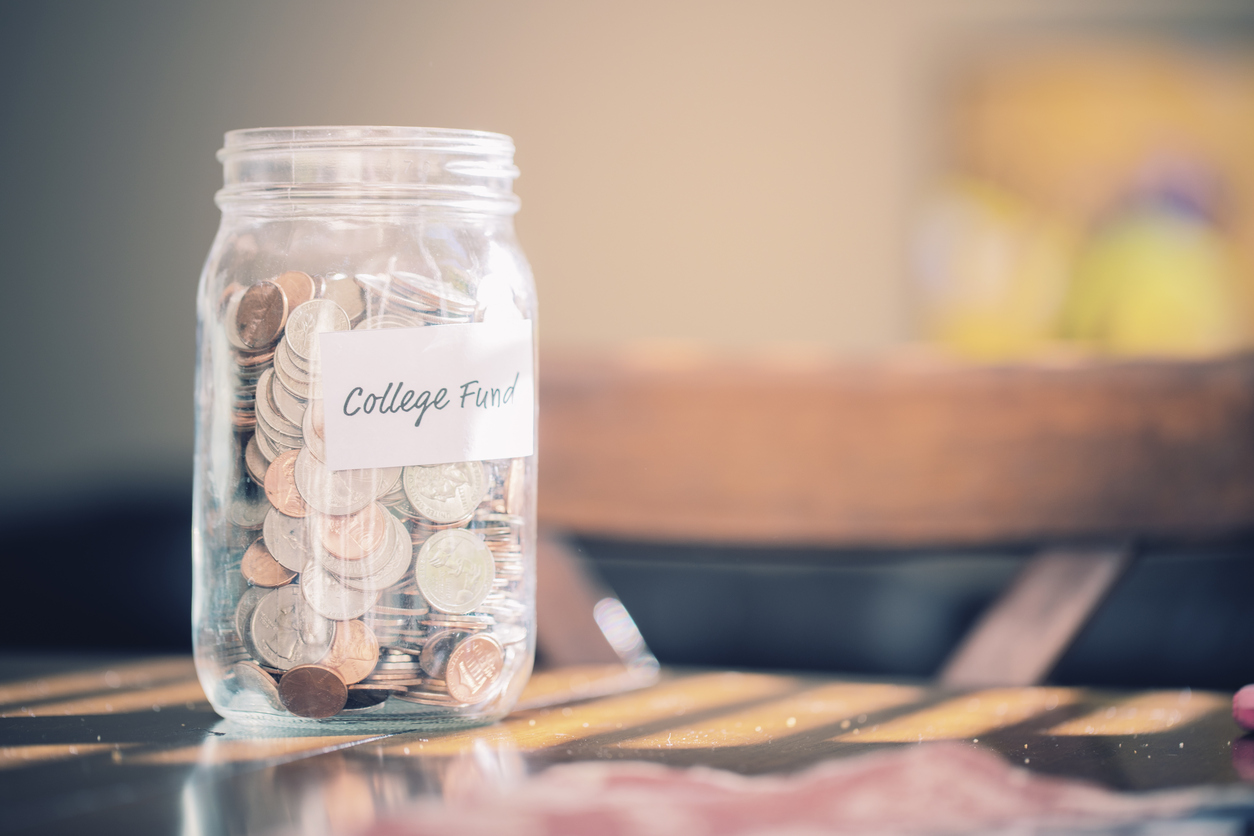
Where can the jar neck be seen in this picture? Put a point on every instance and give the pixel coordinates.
(367, 170)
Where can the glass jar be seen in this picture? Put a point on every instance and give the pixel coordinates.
(364, 512)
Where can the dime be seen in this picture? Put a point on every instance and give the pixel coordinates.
(244, 613)
(248, 510)
(307, 322)
(313, 691)
(261, 569)
(230, 316)
(335, 493)
(290, 407)
(454, 571)
(435, 652)
(330, 598)
(445, 493)
(288, 538)
(347, 294)
(473, 667)
(255, 462)
(354, 652)
(354, 536)
(261, 315)
(250, 677)
(298, 287)
(281, 487)
(287, 632)
(267, 409)
(268, 450)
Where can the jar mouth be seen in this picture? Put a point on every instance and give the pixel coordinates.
(364, 164)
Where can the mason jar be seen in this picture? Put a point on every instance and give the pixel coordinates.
(364, 513)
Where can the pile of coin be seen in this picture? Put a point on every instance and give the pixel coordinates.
(351, 588)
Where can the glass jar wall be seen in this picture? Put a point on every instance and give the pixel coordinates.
(364, 519)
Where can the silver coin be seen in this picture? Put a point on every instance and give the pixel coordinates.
(330, 598)
(244, 613)
(229, 316)
(291, 408)
(510, 633)
(389, 320)
(269, 451)
(267, 409)
(290, 539)
(347, 294)
(255, 461)
(316, 444)
(445, 493)
(334, 492)
(400, 559)
(317, 316)
(287, 631)
(454, 570)
(290, 375)
(390, 481)
(248, 677)
(248, 511)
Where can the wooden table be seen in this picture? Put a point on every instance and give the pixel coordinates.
(100, 746)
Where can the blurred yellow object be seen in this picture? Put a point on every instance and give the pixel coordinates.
(994, 272)
(1156, 282)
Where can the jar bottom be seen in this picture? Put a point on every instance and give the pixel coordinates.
(382, 721)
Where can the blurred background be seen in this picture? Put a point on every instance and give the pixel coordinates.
(1000, 181)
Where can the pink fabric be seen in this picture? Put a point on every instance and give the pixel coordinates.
(1243, 707)
(937, 788)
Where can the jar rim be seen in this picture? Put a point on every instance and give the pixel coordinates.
(344, 137)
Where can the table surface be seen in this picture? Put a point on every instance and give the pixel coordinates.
(91, 744)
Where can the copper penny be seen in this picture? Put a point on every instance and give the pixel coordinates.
(281, 485)
(261, 315)
(354, 536)
(297, 286)
(261, 569)
(313, 691)
(353, 653)
(473, 667)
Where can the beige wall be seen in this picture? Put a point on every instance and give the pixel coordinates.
(735, 173)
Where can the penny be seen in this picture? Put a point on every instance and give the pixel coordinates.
(347, 294)
(473, 667)
(289, 538)
(318, 316)
(354, 536)
(331, 599)
(354, 652)
(281, 487)
(261, 569)
(287, 632)
(249, 677)
(445, 493)
(255, 462)
(261, 315)
(454, 570)
(335, 493)
(298, 287)
(313, 691)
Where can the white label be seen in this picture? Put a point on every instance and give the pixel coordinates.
(428, 395)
